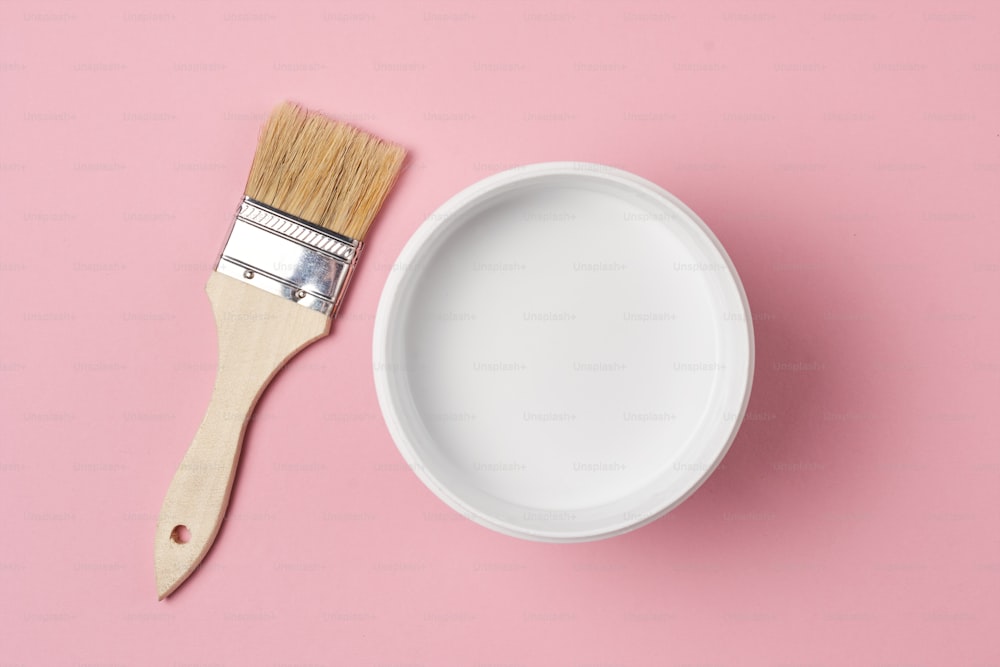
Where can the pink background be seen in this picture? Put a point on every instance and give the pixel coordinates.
(846, 153)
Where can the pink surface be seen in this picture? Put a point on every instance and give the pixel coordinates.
(845, 153)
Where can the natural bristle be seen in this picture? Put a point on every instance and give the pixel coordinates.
(322, 171)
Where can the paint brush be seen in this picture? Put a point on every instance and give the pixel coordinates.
(314, 188)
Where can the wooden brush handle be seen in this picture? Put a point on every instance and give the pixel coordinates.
(258, 332)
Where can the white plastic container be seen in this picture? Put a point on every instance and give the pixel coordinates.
(563, 352)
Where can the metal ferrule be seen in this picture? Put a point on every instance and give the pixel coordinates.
(288, 257)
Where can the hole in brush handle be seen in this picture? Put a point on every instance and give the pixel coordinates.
(180, 534)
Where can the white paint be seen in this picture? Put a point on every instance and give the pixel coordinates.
(563, 352)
